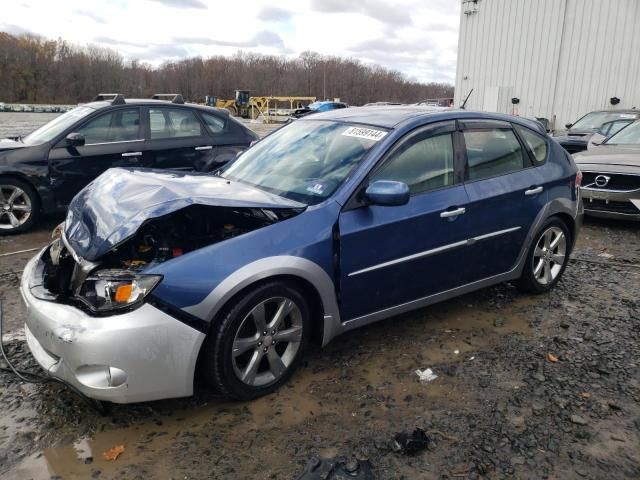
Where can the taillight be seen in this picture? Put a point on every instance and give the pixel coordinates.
(579, 179)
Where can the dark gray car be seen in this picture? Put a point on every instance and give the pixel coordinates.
(577, 135)
(611, 176)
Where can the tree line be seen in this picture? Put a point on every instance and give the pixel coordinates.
(38, 70)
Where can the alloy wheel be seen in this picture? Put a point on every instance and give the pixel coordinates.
(267, 341)
(15, 207)
(549, 255)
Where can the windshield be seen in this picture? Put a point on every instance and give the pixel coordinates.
(627, 136)
(594, 120)
(305, 161)
(56, 126)
(611, 128)
(314, 105)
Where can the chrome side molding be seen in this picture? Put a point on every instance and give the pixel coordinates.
(433, 251)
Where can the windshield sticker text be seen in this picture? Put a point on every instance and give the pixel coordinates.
(368, 133)
(317, 188)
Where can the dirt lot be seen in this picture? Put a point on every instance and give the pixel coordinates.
(500, 406)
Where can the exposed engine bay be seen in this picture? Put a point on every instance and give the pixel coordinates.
(157, 240)
(184, 231)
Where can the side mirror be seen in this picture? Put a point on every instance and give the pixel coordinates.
(569, 125)
(387, 193)
(75, 140)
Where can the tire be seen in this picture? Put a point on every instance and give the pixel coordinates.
(547, 257)
(19, 206)
(253, 370)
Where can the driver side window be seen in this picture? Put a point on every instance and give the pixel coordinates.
(424, 163)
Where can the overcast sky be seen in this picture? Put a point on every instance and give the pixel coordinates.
(416, 37)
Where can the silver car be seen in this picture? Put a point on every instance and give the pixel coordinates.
(611, 176)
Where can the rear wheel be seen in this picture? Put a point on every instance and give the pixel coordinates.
(258, 342)
(547, 258)
(19, 206)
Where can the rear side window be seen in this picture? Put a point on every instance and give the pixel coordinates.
(424, 163)
(214, 124)
(116, 126)
(492, 152)
(536, 143)
(173, 123)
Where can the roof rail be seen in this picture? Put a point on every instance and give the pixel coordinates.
(177, 98)
(114, 98)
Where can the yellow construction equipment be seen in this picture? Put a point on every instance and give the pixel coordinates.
(246, 106)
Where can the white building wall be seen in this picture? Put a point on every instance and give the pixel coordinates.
(561, 58)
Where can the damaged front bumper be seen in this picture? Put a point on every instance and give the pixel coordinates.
(141, 355)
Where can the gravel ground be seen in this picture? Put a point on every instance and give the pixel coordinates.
(13, 124)
(500, 407)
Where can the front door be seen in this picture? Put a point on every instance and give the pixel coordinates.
(113, 139)
(393, 255)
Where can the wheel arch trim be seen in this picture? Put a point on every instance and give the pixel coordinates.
(265, 268)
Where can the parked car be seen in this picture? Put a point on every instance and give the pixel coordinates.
(576, 138)
(42, 172)
(330, 223)
(611, 176)
(318, 107)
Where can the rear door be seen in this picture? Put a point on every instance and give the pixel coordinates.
(393, 255)
(506, 192)
(176, 140)
(112, 139)
(227, 139)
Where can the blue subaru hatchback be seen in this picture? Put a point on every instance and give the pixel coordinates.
(328, 224)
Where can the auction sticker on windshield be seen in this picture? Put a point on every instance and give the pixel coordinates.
(368, 133)
(317, 188)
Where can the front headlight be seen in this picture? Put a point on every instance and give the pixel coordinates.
(109, 290)
(57, 232)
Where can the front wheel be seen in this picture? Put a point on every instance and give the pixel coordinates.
(258, 342)
(547, 258)
(19, 206)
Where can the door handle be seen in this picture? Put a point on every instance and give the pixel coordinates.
(452, 213)
(132, 154)
(204, 147)
(533, 191)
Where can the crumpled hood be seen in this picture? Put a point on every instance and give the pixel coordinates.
(114, 206)
(610, 155)
(8, 144)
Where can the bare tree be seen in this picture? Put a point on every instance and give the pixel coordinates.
(33, 69)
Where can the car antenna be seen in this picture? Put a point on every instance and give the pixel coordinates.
(465, 100)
